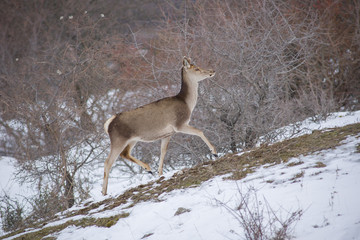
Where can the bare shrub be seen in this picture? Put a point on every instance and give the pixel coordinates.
(11, 213)
(259, 220)
(47, 88)
(45, 205)
(60, 64)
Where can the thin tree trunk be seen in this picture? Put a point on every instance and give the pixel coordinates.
(69, 189)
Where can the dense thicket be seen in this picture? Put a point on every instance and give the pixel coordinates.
(66, 66)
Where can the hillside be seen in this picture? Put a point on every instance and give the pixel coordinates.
(307, 186)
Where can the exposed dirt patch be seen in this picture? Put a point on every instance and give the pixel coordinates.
(181, 210)
(294, 164)
(319, 165)
(297, 177)
(358, 148)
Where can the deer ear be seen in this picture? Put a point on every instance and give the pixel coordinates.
(186, 62)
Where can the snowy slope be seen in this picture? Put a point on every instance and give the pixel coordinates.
(328, 195)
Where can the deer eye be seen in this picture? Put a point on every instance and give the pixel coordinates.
(196, 69)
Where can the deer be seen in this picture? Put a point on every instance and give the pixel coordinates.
(157, 120)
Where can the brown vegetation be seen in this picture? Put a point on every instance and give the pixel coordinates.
(66, 66)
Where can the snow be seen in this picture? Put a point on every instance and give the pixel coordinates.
(328, 197)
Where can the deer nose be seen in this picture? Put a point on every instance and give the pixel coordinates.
(212, 73)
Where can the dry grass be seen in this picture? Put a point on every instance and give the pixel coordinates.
(83, 222)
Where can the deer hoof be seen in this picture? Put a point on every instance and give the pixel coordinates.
(215, 155)
(150, 172)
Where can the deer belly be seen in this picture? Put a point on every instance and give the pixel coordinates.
(156, 134)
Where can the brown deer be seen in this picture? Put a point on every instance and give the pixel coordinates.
(157, 120)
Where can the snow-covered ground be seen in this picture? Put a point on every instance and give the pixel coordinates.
(328, 197)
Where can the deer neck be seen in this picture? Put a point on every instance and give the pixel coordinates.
(188, 91)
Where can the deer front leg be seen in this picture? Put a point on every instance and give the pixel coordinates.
(164, 145)
(194, 131)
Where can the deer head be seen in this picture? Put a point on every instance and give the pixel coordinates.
(198, 74)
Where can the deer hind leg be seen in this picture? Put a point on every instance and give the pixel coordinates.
(114, 153)
(126, 153)
(164, 145)
(194, 131)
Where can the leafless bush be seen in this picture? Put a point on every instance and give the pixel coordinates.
(46, 90)
(11, 213)
(262, 60)
(259, 220)
(45, 205)
(60, 65)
